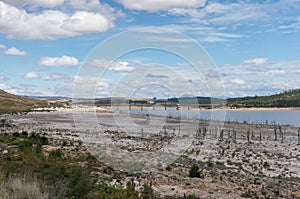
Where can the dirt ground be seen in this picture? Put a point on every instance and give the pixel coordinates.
(236, 160)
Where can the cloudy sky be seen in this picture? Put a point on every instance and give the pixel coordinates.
(254, 45)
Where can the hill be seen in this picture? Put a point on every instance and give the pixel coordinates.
(290, 98)
(10, 103)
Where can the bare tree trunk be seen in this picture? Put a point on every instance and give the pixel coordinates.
(298, 136)
(260, 137)
(234, 135)
(282, 136)
(248, 136)
(221, 135)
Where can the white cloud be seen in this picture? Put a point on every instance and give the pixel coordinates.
(54, 77)
(257, 61)
(42, 3)
(238, 81)
(122, 67)
(225, 13)
(2, 46)
(5, 87)
(31, 75)
(58, 77)
(84, 22)
(276, 72)
(58, 61)
(113, 66)
(90, 5)
(51, 24)
(156, 5)
(14, 51)
(261, 79)
(213, 39)
(219, 8)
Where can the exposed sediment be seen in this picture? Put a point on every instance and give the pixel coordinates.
(235, 159)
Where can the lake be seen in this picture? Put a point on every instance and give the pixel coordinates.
(283, 117)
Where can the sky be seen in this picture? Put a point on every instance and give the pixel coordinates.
(253, 47)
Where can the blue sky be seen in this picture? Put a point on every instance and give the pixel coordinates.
(255, 45)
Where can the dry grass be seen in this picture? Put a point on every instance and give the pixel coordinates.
(21, 188)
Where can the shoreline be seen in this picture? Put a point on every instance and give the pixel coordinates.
(260, 109)
(206, 109)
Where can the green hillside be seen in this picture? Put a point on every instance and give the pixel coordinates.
(289, 98)
(10, 103)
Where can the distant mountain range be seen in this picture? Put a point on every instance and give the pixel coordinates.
(10, 103)
(289, 98)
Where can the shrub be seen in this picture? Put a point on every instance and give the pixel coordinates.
(44, 140)
(16, 134)
(168, 168)
(266, 165)
(79, 185)
(54, 171)
(147, 191)
(192, 197)
(194, 171)
(24, 134)
(247, 194)
(56, 153)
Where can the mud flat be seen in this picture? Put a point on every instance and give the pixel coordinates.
(235, 160)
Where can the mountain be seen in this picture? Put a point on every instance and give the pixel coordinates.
(290, 98)
(10, 103)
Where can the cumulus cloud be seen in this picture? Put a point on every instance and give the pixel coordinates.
(122, 67)
(58, 77)
(156, 5)
(51, 24)
(2, 46)
(272, 77)
(113, 66)
(31, 75)
(257, 61)
(54, 77)
(58, 61)
(41, 3)
(14, 51)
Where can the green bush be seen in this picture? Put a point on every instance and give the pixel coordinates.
(147, 191)
(33, 143)
(24, 134)
(54, 171)
(56, 153)
(79, 185)
(192, 197)
(16, 134)
(194, 171)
